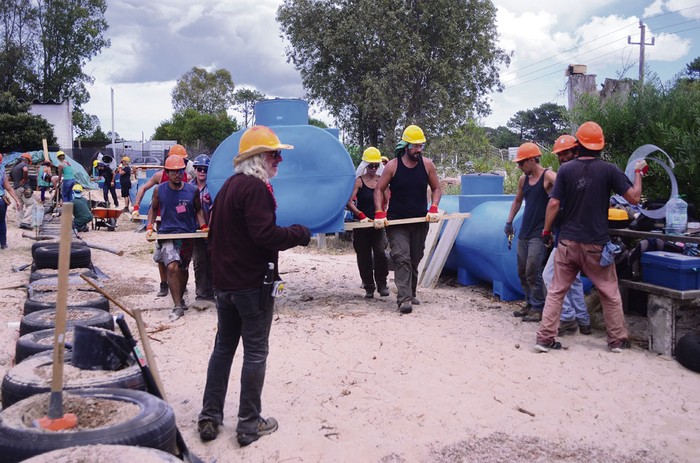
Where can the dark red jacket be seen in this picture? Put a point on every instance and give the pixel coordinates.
(244, 236)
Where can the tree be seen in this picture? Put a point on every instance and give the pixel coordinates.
(378, 65)
(203, 91)
(692, 70)
(20, 130)
(502, 137)
(199, 132)
(45, 45)
(542, 124)
(245, 100)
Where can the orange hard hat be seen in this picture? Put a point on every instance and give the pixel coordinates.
(174, 162)
(178, 150)
(590, 135)
(526, 151)
(564, 143)
(27, 156)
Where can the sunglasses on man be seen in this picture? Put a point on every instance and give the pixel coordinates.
(276, 155)
(201, 169)
(176, 171)
(374, 165)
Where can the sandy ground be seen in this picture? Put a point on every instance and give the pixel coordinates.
(350, 379)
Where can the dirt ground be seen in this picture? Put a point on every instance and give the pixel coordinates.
(350, 379)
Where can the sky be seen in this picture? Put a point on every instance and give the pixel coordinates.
(153, 43)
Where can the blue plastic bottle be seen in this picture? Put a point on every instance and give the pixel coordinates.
(676, 216)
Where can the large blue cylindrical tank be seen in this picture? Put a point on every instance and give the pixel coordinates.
(281, 111)
(145, 205)
(314, 180)
(481, 184)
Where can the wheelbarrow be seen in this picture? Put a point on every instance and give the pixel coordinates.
(105, 217)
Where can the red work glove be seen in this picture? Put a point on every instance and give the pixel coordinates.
(642, 167)
(433, 215)
(363, 218)
(380, 220)
(547, 238)
(149, 231)
(135, 212)
(204, 228)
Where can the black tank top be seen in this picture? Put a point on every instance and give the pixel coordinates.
(408, 191)
(365, 199)
(536, 199)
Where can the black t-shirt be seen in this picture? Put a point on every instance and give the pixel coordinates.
(583, 186)
(125, 177)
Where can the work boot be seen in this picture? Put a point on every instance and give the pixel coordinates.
(524, 311)
(383, 291)
(265, 427)
(546, 347)
(585, 329)
(178, 311)
(369, 293)
(163, 289)
(405, 307)
(415, 301)
(618, 346)
(533, 316)
(208, 430)
(568, 327)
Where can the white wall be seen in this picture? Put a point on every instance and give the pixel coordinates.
(58, 115)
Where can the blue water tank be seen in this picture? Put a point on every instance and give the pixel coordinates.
(145, 204)
(281, 111)
(480, 253)
(481, 184)
(314, 180)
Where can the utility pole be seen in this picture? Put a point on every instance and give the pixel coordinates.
(642, 43)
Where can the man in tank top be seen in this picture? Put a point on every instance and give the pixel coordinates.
(180, 212)
(533, 187)
(583, 185)
(407, 176)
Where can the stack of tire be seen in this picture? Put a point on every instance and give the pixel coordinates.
(152, 424)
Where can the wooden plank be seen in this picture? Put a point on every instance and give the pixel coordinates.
(46, 149)
(177, 236)
(456, 215)
(430, 243)
(437, 262)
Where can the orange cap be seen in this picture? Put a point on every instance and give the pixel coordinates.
(564, 143)
(590, 135)
(526, 151)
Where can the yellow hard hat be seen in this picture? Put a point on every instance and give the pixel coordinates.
(258, 139)
(78, 187)
(126, 159)
(95, 162)
(60, 153)
(385, 159)
(413, 134)
(372, 154)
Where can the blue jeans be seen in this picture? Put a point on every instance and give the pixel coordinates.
(574, 305)
(3, 225)
(531, 260)
(239, 316)
(67, 190)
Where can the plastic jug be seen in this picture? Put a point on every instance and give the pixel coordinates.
(676, 216)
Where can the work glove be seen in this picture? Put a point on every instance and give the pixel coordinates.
(547, 238)
(642, 167)
(433, 215)
(363, 218)
(149, 231)
(509, 230)
(204, 228)
(380, 220)
(135, 212)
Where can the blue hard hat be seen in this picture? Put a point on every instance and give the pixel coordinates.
(201, 160)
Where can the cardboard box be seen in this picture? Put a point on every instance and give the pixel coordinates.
(670, 269)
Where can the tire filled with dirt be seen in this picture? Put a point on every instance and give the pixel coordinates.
(105, 416)
(105, 454)
(46, 256)
(38, 341)
(47, 300)
(33, 376)
(46, 319)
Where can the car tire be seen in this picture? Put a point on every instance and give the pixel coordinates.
(45, 319)
(47, 256)
(98, 302)
(36, 342)
(688, 351)
(33, 376)
(152, 426)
